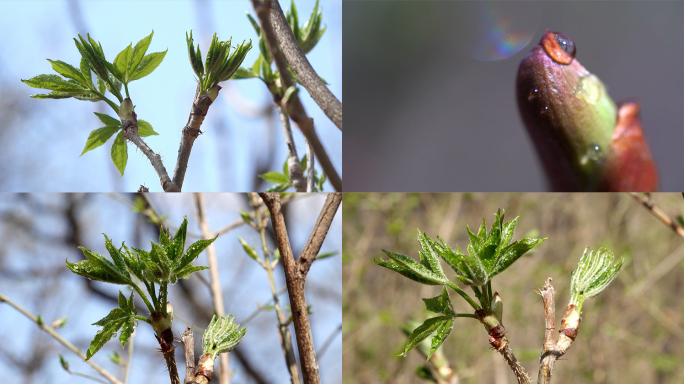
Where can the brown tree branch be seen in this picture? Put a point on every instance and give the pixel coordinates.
(330, 105)
(200, 107)
(130, 129)
(216, 293)
(294, 105)
(319, 232)
(295, 276)
(188, 342)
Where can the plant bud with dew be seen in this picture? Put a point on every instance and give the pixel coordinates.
(584, 142)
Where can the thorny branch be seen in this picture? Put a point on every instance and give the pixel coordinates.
(330, 105)
(293, 105)
(216, 293)
(295, 273)
(60, 339)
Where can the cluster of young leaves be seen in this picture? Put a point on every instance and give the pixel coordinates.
(130, 64)
(222, 335)
(282, 180)
(307, 36)
(592, 275)
(219, 65)
(165, 263)
(488, 255)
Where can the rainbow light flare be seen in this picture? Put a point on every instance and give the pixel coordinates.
(502, 29)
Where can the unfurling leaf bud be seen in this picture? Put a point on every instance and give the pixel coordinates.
(213, 92)
(126, 111)
(497, 307)
(159, 322)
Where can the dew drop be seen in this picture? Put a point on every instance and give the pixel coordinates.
(589, 89)
(591, 154)
(403, 355)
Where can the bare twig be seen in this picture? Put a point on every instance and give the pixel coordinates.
(310, 161)
(200, 106)
(60, 339)
(553, 350)
(330, 105)
(295, 274)
(294, 105)
(294, 166)
(130, 357)
(188, 342)
(648, 203)
(224, 372)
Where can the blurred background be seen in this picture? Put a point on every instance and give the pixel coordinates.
(39, 231)
(242, 135)
(431, 87)
(631, 333)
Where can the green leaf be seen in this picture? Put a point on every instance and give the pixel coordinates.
(96, 267)
(121, 63)
(159, 256)
(139, 52)
(134, 264)
(119, 152)
(56, 83)
(440, 304)
(279, 187)
(85, 71)
(193, 252)
(99, 136)
(244, 73)
(176, 246)
(114, 86)
(411, 269)
(195, 58)
(56, 95)
(275, 177)
(429, 256)
(145, 129)
(101, 86)
(248, 249)
(93, 54)
(189, 269)
(107, 120)
(67, 70)
(122, 318)
(304, 163)
(440, 324)
(148, 64)
(255, 25)
(513, 253)
(326, 255)
(88, 97)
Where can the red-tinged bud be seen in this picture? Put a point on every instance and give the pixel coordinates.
(630, 165)
(569, 327)
(205, 368)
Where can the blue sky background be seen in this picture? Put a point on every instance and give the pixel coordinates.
(33, 274)
(44, 138)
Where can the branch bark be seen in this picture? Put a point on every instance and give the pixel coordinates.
(294, 105)
(188, 342)
(553, 350)
(200, 107)
(295, 274)
(130, 129)
(216, 293)
(330, 105)
(658, 213)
